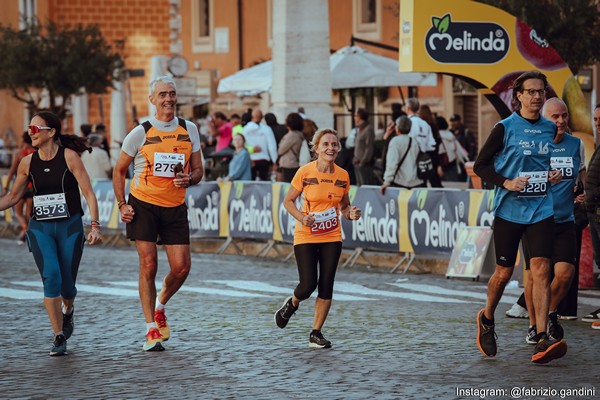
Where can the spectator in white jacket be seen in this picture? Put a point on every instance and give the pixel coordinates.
(97, 164)
(261, 135)
(420, 130)
(400, 169)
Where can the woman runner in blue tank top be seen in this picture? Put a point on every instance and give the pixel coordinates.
(55, 234)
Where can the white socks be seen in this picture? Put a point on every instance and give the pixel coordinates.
(150, 325)
(159, 305)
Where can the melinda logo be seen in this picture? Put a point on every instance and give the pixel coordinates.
(466, 42)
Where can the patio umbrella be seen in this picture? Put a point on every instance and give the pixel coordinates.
(354, 67)
(249, 81)
(351, 67)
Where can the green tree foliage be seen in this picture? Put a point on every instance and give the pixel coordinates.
(60, 59)
(572, 27)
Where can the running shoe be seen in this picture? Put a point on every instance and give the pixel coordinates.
(532, 337)
(486, 337)
(283, 315)
(153, 340)
(516, 311)
(68, 324)
(59, 346)
(555, 331)
(317, 340)
(594, 316)
(568, 317)
(548, 349)
(161, 322)
(596, 325)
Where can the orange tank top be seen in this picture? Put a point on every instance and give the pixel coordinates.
(162, 151)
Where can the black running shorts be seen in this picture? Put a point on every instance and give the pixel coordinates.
(507, 235)
(163, 225)
(564, 247)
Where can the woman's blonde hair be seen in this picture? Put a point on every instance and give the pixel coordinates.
(317, 137)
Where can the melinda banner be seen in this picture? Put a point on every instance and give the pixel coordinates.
(250, 212)
(490, 48)
(378, 227)
(423, 221)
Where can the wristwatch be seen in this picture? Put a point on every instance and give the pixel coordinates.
(191, 182)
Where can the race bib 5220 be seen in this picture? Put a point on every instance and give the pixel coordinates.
(537, 185)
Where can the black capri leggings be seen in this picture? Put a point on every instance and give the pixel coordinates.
(308, 255)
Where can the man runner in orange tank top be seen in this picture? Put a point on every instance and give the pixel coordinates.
(167, 159)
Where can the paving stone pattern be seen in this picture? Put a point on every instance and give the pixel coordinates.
(228, 347)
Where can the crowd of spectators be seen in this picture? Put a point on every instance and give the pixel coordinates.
(272, 150)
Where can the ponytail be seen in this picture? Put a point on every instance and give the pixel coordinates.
(75, 143)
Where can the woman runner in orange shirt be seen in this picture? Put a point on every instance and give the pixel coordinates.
(318, 236)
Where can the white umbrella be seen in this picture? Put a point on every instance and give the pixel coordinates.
(351, 67)
(250, 81)
(354, 67)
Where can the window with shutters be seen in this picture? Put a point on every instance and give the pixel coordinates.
(366, 16)
(202, 26)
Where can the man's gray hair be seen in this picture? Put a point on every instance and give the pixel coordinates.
(413, 104)
(553, 100)
(166, 79)
(403, 124)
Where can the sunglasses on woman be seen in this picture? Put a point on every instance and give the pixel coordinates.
(36, 128)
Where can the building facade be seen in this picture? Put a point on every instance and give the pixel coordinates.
(217, 38)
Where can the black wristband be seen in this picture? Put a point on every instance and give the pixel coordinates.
(191, 181)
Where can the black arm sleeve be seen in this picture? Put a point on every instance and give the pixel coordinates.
(484, 164)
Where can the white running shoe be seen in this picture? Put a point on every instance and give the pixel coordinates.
(516, 311)
(594, 316)
(568, 317)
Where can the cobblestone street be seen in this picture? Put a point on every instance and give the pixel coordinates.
(394, 336)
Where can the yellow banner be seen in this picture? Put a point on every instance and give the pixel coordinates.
(485, 45)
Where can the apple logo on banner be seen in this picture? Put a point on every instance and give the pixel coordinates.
(535, 49)
(451, 42)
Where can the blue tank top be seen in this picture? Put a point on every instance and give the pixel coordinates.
(566, 157)
(527, 150)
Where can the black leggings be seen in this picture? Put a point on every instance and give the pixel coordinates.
(308, 255)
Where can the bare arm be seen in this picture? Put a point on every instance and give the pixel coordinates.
(119, 173)
(196, 172)
(83, 180)
(18, 188)
(290, 205)
(214, 130)
(351, 213)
